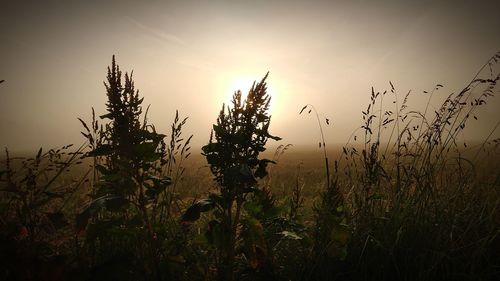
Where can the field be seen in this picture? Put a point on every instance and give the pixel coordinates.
(405, 199)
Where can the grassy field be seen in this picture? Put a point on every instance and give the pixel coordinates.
(405, 199)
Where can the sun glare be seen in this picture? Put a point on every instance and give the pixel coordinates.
(244, 83)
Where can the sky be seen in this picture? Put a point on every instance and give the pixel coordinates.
(192, 55)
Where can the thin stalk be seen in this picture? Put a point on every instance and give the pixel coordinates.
(323, 144)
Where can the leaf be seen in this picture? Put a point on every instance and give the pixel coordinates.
(159, 185)
(250, 189)
(84, 125)
(53, 194)
(193, 213)
(109, 202)
(165, 181)
(273, 137)
(109, 116)
(101, 169)
(245, 174)
(39, 154)
(290, 235)
(102, 150)
(147, 151)
(262, 169)
(262, 118)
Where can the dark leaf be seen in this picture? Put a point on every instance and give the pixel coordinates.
(262, 168)
(110, 202)
(53, 194)
(193, 212)
(102, 150)
(101, 169)
(109, 116)
(84, 125)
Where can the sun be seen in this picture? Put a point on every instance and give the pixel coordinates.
(244, 83)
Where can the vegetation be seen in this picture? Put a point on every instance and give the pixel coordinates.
(405, 199)
(232, 153)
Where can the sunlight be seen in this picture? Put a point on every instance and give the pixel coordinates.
(244, 83)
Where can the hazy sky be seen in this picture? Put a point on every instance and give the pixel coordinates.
(191, 55)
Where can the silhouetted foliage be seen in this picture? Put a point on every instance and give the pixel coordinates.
(236, 141)
(132, 161)
(408, 199)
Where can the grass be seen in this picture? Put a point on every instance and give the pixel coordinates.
(406, 198)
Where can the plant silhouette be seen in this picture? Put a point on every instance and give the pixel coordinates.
(237, 139)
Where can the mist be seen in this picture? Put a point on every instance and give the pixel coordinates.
(192, 55)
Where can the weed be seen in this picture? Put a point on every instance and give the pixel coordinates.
(237, 139)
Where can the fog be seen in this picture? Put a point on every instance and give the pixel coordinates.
(191, 55)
